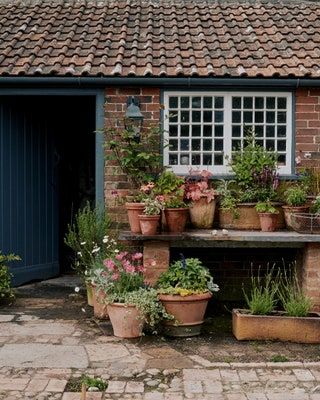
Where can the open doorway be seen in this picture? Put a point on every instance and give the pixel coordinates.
(47, 171)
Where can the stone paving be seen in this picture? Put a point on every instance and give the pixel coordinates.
(39, 354)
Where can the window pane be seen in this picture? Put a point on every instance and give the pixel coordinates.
(258, 116)
(218, 130)
(218, 159)
(173, 145)
(258, 130)
(218, 116)
(281, 145)
(185, 102)
(184, 144)
(259, 102)
(173, 159)
(236, 144)
(184, 116)
(281, 158)
(207, 130)
(196, 116)
(184, 130)
(247, 116)
(271, 117)
(271, 103)
(207, 144)
(196, 130)
(236, 102)
(184, 159)
(218, 145)
(207, 159)
(247, 102)
(173, 102)
(281, 130)
(218, 102)
(282, 102)
(207, 116)
(270, 145)
(173, 116)
(196, 102)
(282, 117)
(236, 116)
(207, 102)
(270, 131)
(259, 143)
(195, 145)
(173, 130)
(196, 159)
(236, 130)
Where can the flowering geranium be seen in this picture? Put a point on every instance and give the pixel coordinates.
(197, 186)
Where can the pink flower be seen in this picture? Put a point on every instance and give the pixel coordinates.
(108, 263)
(141, 268)
(137, 256)
(121, 255)
(115, 276)
(160, 198)
(130, 269)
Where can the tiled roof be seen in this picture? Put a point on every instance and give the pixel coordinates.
(160, 38)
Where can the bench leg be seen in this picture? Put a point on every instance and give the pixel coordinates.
(156, 258)
(311, 273)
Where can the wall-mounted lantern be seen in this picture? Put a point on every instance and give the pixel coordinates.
(134, 118)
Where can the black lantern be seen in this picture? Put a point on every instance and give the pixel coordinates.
(134, 118)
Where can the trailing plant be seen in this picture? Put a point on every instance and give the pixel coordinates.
(295, 196)
(6, 291)
(185, 277)
(140, 160)
(294, 301)
(87, 237)
(153, 206)
(262, 298)
(266, 207)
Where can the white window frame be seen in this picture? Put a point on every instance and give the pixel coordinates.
(225, 169)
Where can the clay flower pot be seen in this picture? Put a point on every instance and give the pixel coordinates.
(99, 308)
(202, 213)
(176, 219)
(149, 224)
(188, 312)
(126, 320)
(288, 210)
(134, 210)
(268, 221)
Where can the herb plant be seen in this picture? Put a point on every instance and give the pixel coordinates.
(6, 291)
(169, 183)
(266, 207)
(295, 196)
(185, 277)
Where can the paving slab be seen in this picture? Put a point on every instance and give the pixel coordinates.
(106, 352)
(43, 355)
(36, 329)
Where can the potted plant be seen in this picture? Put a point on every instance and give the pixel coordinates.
(185, 290)
(87, 237)
(261, 321)
(295, 198)
(268, 216)
(176, 213)
(6, 292)
(150, 218)
(130, 303)
(201, 197)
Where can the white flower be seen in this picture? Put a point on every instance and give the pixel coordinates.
(77, 289)
(117, 251)
(79, 253)
(83, 243)
(105, 239)
(83, 310)
(95, 250)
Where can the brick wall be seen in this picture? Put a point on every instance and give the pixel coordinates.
(116, 184)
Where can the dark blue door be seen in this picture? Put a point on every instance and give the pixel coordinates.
(28, 195)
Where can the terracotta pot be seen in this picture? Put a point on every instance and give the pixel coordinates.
(248, 218)
(149, 224)
(176, 219)
(126, 320)
(134, 210)
(268, 221)
(202, 213)
(288, 210)
(89, 294)
(188, 312)
(99, 308)
(277, 326)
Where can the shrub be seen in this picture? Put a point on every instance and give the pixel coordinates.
(6, 291)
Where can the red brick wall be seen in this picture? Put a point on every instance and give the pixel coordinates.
(115, 108)
(308, 127)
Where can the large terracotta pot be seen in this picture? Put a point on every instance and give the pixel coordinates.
(277, 326)
(188, 312)
(149, 224)
(176, 219)
(202, 213)
(247, 218)
(268, 221)
(134, 210)
(99, 307)
(126, 320)
(89, 294)
(288, 210)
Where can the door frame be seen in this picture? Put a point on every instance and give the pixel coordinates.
(99, 95)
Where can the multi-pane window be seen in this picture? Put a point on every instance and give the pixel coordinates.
(203, 129)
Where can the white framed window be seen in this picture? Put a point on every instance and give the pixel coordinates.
(202, 128)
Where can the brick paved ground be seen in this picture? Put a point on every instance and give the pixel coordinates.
(42, 347)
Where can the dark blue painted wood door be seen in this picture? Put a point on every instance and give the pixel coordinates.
(28, 198)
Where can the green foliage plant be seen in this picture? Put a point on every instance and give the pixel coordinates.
(6, 291)
(295, 196)
(315, 207)
(266, 207)
(92, 382)
(140, 160)
(153, 206)
(262, 296)
(88, 237)
(228, 197)
(294, 302)
(185, 277)
(175, 202)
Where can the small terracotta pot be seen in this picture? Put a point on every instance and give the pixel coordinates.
(202, 213)
(149, 224)
(188, 312)
(176, 219)
(134, 210)
(288, 210)
(99, 308)
(126, 320)
(268, 221)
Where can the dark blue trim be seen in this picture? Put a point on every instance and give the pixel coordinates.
(100, 150)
